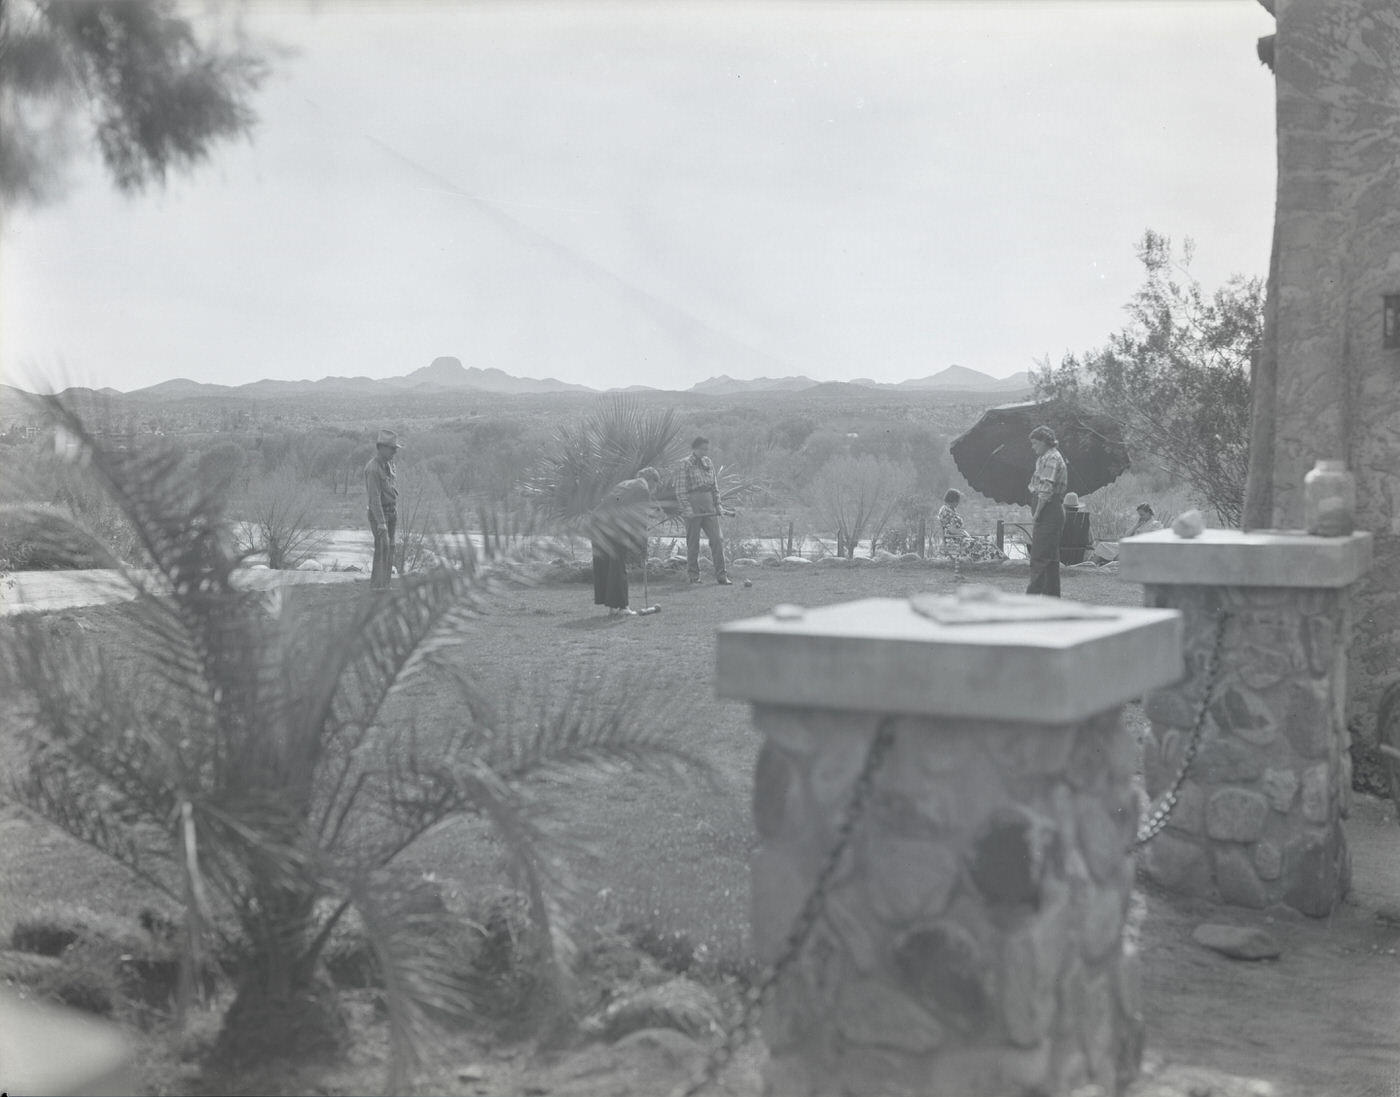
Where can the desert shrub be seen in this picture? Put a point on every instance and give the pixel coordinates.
(856, 496)
(281, 514)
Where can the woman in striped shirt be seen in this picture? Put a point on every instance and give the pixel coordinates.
(1047, 488)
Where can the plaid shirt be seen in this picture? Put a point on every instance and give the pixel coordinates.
(1051, 476)
(696, 477)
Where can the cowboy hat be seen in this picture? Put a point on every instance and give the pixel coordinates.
(388, 438)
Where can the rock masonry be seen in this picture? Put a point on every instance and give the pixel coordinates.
(1258, 821)
(975, 939)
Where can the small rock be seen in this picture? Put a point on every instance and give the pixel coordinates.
(1190, 524)
(748, 582)
(681, 1004)
(473, 1073)
(1237, 942)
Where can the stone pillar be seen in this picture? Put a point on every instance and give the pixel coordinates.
(1258, 821)
(973, 940)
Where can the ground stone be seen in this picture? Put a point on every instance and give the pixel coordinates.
(1236, 815)
(681, 1004)
(1237, 942)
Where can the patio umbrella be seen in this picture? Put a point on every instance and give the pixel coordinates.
(995, 454)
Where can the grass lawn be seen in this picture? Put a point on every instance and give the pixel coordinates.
(672, 855)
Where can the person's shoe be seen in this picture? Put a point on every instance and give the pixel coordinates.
(695, 578)
(725, 581)
(627, 611)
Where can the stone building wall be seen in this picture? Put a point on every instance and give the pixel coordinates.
(1336, 391)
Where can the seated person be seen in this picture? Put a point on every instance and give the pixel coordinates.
(950, 523)
(1146, 521)
(956, 540)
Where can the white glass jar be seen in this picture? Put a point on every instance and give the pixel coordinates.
(1329, 499)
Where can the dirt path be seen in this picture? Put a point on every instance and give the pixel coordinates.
(1322, 1021)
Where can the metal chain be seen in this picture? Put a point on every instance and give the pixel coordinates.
(739, 1033)
(1157, 820)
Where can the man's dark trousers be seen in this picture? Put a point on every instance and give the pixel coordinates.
(710, 524)
(383, 550)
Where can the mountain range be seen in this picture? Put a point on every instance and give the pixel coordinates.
(448, 374)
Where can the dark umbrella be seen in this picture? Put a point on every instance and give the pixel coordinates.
(995, 455)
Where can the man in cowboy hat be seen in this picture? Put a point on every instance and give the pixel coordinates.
(383, 489)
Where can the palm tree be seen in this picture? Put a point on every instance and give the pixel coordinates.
(609, 444)
(246, 767)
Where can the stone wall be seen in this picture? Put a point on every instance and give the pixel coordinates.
(1258, 819)
(973, 942)
(1337, 239)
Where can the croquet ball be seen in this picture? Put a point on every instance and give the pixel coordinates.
(748, 582)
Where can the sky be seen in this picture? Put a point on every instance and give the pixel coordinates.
(615, 194)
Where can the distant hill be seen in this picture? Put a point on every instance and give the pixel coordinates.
(450, 373)
(960, 378)
(447, 375)
(179, 388)
(952, 379)
(724, 385)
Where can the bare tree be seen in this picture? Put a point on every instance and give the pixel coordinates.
(859, 495)
(281, 520)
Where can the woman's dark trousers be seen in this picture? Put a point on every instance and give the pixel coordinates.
(1045, 549)
(609, 575)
